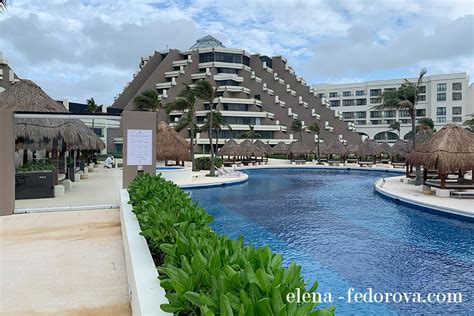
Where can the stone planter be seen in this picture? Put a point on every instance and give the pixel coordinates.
(34, 185)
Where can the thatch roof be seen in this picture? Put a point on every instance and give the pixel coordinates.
(298, 147)
(38, 133)
(385, 148)
(423, 133)
(280, 148)
(170, 145)
(230, 148)
(400, 148)
(247, 148)
(352, 149)
(265, 147)
(337, 148)
(449, 150)
(324, 149)
(369, 148)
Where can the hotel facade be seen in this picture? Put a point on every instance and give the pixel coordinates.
(446, 98)
(252, 90)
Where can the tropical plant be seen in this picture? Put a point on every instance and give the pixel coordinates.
(185, 101)
(36, 165)
(206, 92)
(395, 126)
(297, 127)
(427, 122)
(315, 128)
(147, 101)
(405, 98)
(204, 163)
(208, 274)
(217, 123)
(470, 123)
(250, 134)
(91, 108)
(3, 5)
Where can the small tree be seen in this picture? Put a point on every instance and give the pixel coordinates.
(217, 123)
(3, 5)
(395, 126)
(314, 127)
(427, 122)
(250, 134)
(469, 123)
(297, 127)
(206, 92)
(91, 108)
(147, 101)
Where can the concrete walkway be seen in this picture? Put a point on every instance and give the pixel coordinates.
(100, 190)
(63, 263)
(392, 187)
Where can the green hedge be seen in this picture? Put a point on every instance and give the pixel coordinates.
(277, 156)
(204, 163)
(36, 165)
(205, 273)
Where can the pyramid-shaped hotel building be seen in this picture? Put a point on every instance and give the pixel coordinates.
(252, 90)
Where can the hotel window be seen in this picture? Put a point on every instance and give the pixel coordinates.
(375, 100)
(405, 121)
(347, 102)
(267, 60)
(375, 114)
(403, 113)
(457, 96)
(229, 58)
(457, 119)
(227, 83)
(220, 93)
(257, 97)
(457, 110)
(235, 107)
(361, 102)
(389, 121)
(376, 122)
(335, 103)
(421, 112)
(228, 71)
(441, 97)
(389, 89)
(246, 60)
(360, 92)
(321, 95)
(441, 119)
(206, 57)
(333, 94)
(348, 115)
(362, 114)
(422, 89)
(441, 110)
(375, 92)
(441, 87)
(457, 86)
(360, 122)
(239, 120)
(346, 94)
(390, 113)
(422, 98)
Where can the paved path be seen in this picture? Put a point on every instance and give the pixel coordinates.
(67, 263)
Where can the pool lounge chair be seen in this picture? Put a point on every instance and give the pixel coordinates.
(462, 194)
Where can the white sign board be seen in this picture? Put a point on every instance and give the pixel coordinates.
(139, 147)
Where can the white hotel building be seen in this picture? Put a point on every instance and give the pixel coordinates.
(446, 98)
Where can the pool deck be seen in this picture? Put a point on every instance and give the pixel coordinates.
(393, 188)
(63, 263)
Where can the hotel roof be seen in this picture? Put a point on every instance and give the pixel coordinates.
(206, 42)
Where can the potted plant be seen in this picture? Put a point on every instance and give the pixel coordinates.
(34, 179)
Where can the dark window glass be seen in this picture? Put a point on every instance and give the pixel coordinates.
(422, 98)
(375, 92)
(360, 92)
(346, 94)
(457, 96)
(375, 114)
(457, 119)
(422, 89)
(227, 83)
(228, 71)
(441, 87)
(333, 94)
(206, 57)
(441, 119)
(348, 115)
(235, 107)
(228, 58)
(441, 110)
(361, 114)
(457, 110)
(335, 103)
(267, 60)
(239, 120)
(403, 113)
(375, 100)
(457, 85)
(257, 97)
(246, 60)
(421, 112)
(361, 102)
(441, 97)
(390, 113)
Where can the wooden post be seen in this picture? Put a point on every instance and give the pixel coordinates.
(443, 181)
(425, 174)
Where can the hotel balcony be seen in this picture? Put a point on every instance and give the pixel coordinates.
(164, 85)
(182, 62)
(233, 113)
(223, 76)
(201, 75)
(233, 89)
(174, 73)
(219, 64)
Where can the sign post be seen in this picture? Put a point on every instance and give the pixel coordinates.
(139, 144)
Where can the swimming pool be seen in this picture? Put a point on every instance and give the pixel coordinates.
(344, 235)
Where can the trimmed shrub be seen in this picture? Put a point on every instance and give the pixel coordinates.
(277, 156)
(36, 165)
(204, 163)
(209, 274)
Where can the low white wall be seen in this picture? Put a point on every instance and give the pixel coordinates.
(177, 175)
(146, 294)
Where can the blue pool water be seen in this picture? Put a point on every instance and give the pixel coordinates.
(344, 235)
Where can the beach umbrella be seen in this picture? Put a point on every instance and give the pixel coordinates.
(170, 145)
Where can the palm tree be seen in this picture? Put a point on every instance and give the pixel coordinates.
(405, 98)
(147, 101)
(297, 127)
(205, 91)
(185, 101)
(3, 5)
(250, 134)
(427, 122)
(314, 127)
(91, 108)
(395, 126)
(217, 123)
(470, 123)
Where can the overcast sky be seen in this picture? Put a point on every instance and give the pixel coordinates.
(81, 49)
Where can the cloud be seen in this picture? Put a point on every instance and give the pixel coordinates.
(79, 49)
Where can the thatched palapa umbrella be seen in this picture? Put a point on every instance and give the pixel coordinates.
(451, 150)
(230, 148)
(400, 149)
(280, 148)
(170, 145)
(385, 148)
(352, 149)
(369, 148)
(247, 148)
(337, 148)
(265, 147)
(299, 148)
